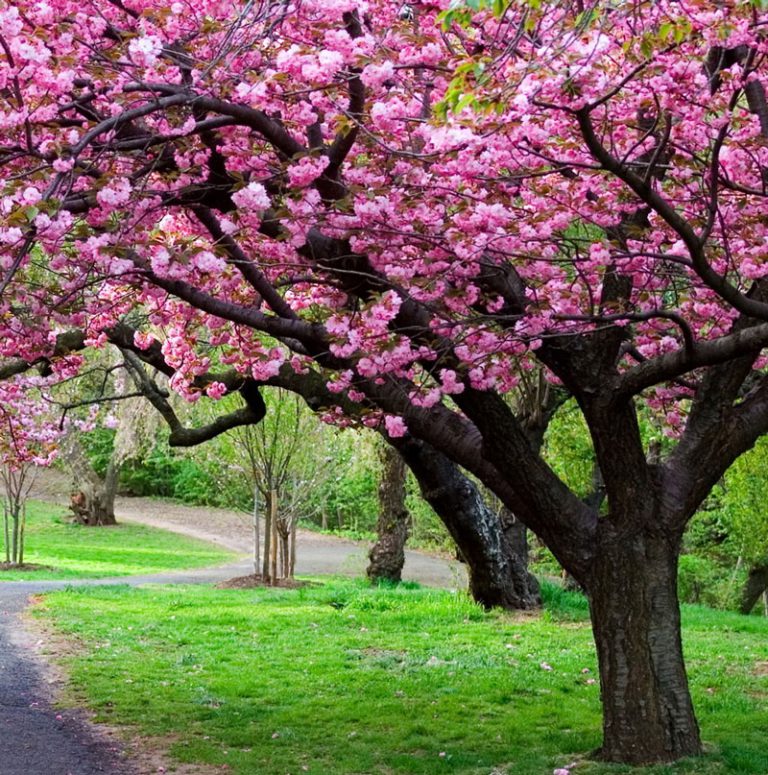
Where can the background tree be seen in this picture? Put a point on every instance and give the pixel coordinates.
(28, 438)
(283, 459)
(387, 555)
(17, 483)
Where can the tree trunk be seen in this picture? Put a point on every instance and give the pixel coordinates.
(94, 503)
(267, 535)
(387, 556)
(647, 711)
(756, 585)
(284, 538)
(256, 541)
(496, 554)
(15, 540)
(273, 539)
(22, 530)
(7, 533)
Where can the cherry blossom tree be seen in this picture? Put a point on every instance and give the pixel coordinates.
(396, 211)
(28, 439)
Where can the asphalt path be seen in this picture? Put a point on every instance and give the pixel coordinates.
(36, 738)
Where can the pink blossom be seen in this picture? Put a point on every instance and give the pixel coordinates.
(115, 194)
(145, 50)
(306, 170)
(216, 390)
(253, 197)
(395, 426)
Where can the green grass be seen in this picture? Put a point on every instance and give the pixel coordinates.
(75, 552)
(342, 679)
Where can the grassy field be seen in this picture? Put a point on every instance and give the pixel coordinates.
(71, 551)
(341, 679)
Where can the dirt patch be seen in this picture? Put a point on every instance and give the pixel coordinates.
(761, 668)
(50, 649)
(253, 581)
(24, 566)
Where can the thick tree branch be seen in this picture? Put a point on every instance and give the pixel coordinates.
(181, 436)
(694, 244)
(674, 364)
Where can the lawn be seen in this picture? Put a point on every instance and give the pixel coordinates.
(69, 551)
(340, 679)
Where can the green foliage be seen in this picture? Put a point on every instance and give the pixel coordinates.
(427, 529)
(349, 495)
(563, 604)
(729, 535)
(703, 580)
(742, 503)
(71, 551)
(98, 445)
(344, 678)
(193, 483)
(568, 449)
(154, 475)
(165, 473)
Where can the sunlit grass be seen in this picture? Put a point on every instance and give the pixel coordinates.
(342, 679)
(70, 551)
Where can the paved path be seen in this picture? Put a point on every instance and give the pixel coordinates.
(38, 739)
(35, 737)
(317, 554)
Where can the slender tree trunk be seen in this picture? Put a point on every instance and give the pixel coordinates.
(267, 535)
(647, 710)
(387, 555)
(7, 533)
(22, 530)
(292, 568)
(256, 547)
(285, 551)
(756, 585)
(15, 539)
(273, 520)
(497, 559)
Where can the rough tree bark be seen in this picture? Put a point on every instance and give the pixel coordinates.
(95, 504)
(756, 584)
(648, 713)
(387, 556)
(495, 552)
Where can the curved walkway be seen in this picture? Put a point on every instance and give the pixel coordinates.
(38, 739)
(35, 737)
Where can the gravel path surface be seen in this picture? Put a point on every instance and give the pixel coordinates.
(316, 554)
(38, 739)
(35, 738)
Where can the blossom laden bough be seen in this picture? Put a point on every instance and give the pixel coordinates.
(399, 216)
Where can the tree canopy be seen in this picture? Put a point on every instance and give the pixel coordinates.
(397, 211)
